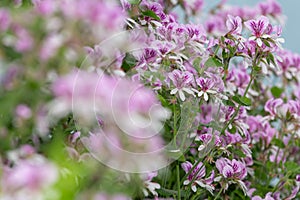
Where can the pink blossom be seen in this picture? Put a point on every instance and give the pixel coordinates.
(270, 7)
(234, 24)
(23, 111)
(198, 175)
(149, 185)
(45, 7)
(257, 28)
(24, 40)
(182, 82)
(231, 168)
(272, 105)
(4, 19)
(206, 87)
(31, 175)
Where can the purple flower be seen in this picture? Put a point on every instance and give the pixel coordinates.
(198, 175)
(206, 86)
(32, 175)
(4, 19)
(149, 185)
(231, 169)
(257, 28)
(23, 111)
(272, 105)
(234, 24)
(181, 81)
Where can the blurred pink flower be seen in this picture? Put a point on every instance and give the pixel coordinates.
(23, 111)
(4, 19)
(234, 24)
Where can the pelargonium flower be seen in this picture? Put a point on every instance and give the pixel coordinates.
(233, 171)
(4, 19)
(181, 81)
(231, 168)
(193, 6)
(267, 197)
(198, 175)
(258, 28)
(272, 105)
(149, 185)
(234, 24)
(23, 111)
(28, 176)
(206, 86)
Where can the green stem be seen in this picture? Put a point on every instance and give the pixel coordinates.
(239, 106)
(174, 124)
(218, 194)
(178, 181)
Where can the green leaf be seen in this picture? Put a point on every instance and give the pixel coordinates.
(266, 43)
(150, 13)
(245, 101)
(279, 143)
(232, 130)
(236, 98)
(134, 2)
(213, 62)
(290, 166)
(228, 103)
(239, 153)
(271, 57)
(257, 68)
(276, 91)
(128, 62)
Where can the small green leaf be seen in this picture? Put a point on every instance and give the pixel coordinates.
(271, 57)
(150, 13)
(128, 62)
(245, 101)
(232, 130)
(239, 153)
(213, 62)
(276, 91)
(279, 143)
(266, 43)
(134, 2)
(228, 103)
(236, 98)
(257, 68)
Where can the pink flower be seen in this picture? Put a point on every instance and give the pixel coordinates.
(257, 28)
(231, 169)
(234, 24)
(23, 111)
(24, 40)
(198, 175)
(4, 19)
(32, 175)
(272, 105)
(45, 7)
(206, 87)
(149, 185)
(181, 81)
